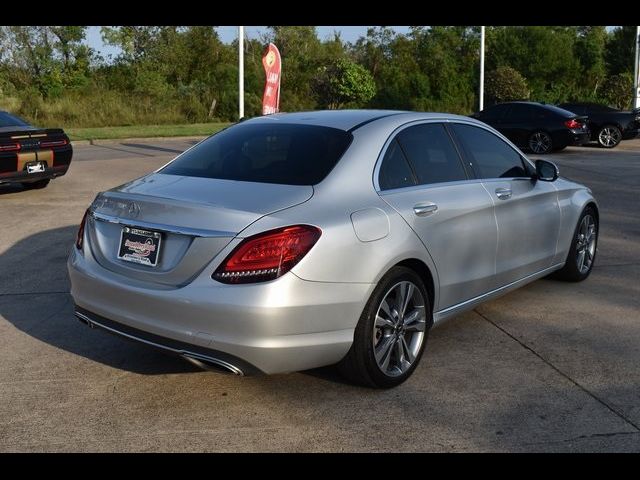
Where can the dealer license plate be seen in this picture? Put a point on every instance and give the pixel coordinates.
(139, 246)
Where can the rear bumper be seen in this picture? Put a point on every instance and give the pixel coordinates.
(285, 325)
(578, 138)
(24, 177)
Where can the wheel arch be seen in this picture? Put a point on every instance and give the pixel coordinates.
(424, 272)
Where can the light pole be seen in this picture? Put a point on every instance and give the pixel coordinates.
(481, 102)
(636, 73)
(240, 72)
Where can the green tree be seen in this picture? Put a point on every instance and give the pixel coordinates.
(620, 50)
(618, 90)
(590, 49)
(505, 84)
(344, 82)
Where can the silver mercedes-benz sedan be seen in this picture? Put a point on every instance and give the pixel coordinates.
(294, 241)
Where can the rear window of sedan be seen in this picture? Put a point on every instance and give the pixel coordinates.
(289, 154)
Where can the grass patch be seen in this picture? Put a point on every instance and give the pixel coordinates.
(142, 131)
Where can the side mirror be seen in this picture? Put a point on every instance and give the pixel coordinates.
(546, 171)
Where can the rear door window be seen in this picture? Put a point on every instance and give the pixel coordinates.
(431, 153)
(395, 171)
(290, 154)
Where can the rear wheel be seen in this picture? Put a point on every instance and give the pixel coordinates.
(582, 253)
(609, 136)
(392, 332)
(540, 143)
(36, 185)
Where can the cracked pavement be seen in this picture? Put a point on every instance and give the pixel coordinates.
(550, 367)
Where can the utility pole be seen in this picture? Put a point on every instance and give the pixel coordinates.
(240, 72)
(636, 73)
(481, 102)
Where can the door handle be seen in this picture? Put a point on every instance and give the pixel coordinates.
(424, 209)
(503, 193)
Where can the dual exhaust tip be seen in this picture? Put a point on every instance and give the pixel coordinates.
(202, 361)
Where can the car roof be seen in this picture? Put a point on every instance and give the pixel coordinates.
(348, 120)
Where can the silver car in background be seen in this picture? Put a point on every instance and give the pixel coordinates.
(293, 241)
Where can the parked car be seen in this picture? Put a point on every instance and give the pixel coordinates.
(293, 241)
(609, 126)
(29, 155)
(537, 127)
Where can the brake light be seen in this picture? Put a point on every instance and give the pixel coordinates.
(268, 255)
(80, 234)
(573, 123)
(53, 143)
(9, 147)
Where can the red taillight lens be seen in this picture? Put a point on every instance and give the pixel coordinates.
(53, 143)
(268, 255)
(9, 147)
(80, 234)
(573, 123)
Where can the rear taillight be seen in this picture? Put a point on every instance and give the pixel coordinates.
(268, 255)
(573, 123)
(80, 234)
(53, 143)
(9, 147)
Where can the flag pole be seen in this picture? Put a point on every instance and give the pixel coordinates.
(240, 72)
(636, 73)
(481, 102)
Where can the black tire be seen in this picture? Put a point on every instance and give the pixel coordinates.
(359, 365)
(36, 185)
(540, 143)
(570, 272)
(609, 136)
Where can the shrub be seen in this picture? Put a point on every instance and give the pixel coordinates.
(505, 84)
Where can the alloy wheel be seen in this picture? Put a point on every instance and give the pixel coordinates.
(586, 243)
(540, 142)
(399, 328)
(609, 137)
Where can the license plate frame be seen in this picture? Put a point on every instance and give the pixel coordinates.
(36, 167)
(139, 246)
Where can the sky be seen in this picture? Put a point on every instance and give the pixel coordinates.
(230, 33)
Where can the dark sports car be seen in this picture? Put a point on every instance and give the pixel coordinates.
(537, 127)
(608, 125)
(29, 155)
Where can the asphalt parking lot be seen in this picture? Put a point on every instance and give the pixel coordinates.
(550, 367)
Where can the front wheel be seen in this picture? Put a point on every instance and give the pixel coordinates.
(392, 332)
(609, 136)
(582, 253)
(540, 143)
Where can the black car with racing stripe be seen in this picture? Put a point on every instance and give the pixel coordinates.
(608, 125)
(29, 155)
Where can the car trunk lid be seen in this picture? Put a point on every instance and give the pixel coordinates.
(196, 218)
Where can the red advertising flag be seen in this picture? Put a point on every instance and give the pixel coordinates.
(272, 68)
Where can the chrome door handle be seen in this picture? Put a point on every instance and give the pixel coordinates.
(424, 209)
(503, 193)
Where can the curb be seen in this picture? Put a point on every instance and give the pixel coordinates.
(108, 141)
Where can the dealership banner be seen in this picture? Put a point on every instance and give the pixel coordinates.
(272, 68)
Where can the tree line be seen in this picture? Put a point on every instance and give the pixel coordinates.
(176, 74)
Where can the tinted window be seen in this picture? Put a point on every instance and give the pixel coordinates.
(494, 112)
(274, 153)
(395, 171)
(7, 120)
(557, 111)
(431, 153)
(521, 112)
(579, 109)
(490, 155)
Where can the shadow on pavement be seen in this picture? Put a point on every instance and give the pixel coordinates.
(34, 298)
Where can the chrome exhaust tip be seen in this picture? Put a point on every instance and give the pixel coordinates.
(213, 364)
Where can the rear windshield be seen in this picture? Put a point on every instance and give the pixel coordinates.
(289, 154)
(560, 111)
(7, 120)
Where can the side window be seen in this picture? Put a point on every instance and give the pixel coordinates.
(395, 171)
(490, 155)
(431, 153)
(495, 112)
(521, 112)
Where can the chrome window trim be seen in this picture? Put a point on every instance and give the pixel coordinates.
(392, 136)
(194, 232)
